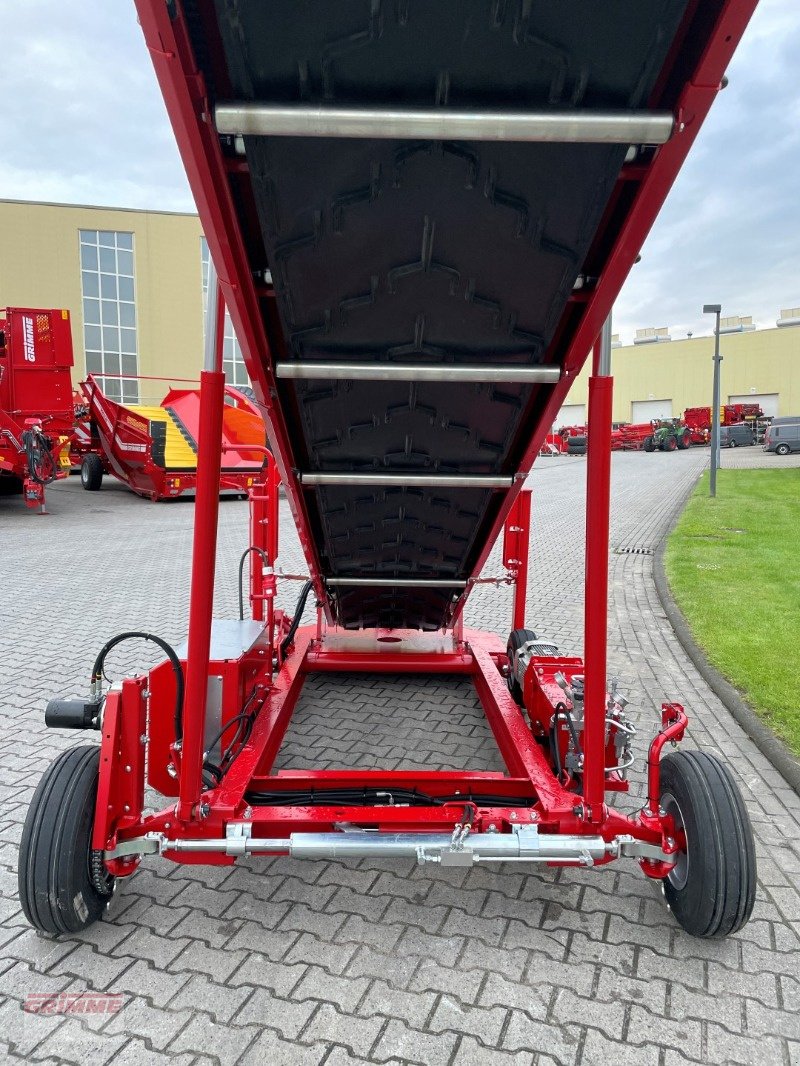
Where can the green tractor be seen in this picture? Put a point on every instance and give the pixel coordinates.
(669, 434)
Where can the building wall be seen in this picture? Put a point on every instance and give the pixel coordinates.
(40, 267)
(764, 361)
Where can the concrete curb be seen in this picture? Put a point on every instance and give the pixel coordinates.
(762, 736)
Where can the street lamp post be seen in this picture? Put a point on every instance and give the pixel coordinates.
(714, 309)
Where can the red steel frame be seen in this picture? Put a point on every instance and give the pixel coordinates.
(544, 800)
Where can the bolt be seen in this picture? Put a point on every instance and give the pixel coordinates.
(513, 816)
(127, 769)
(205, 810)
(670, 842)
(577, 810)
(248, 812)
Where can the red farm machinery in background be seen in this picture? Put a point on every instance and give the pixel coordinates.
(698, 419)
(415, 288)
(37, 414)
(152, 446)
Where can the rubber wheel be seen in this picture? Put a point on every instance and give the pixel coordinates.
(731, 443)
(517, 638)
(782, 449)
(712, 888)
(92, 472)
(647, 444)
(670, 444)
(56, 888)
(684, 440)
(10, 485)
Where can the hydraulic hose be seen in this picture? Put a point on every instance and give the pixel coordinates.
(41, 465)
(264, 559)
(169, 651)
(298, 614)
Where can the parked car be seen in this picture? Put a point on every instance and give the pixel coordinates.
(783, 435)
(740, 434)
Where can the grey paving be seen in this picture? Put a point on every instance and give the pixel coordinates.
(289, 962)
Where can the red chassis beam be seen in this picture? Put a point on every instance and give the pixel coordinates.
(528, 795)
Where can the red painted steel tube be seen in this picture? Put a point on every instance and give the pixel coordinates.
(522, 513)
(201, 604)
(598, 496)
(675, 721)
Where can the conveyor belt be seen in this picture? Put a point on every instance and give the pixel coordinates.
(453, 253)
(173, 447)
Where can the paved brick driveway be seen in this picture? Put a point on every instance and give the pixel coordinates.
(295, 962)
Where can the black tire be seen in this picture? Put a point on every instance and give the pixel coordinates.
(10, 485)
(92, 472)
(685, 440)
(669, 444)
(57, 890)
(712, 889)
(647, 444)
(782, 449)
(516, 639)
(731, 443)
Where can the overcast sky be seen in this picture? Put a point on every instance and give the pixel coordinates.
(82, 121)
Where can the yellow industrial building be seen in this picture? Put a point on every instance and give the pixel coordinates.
(134, 282)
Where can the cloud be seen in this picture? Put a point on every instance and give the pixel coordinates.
(83, 120)
(727, 232)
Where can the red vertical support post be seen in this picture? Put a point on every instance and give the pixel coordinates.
(598, 502)
(204, 555)
(516, 548)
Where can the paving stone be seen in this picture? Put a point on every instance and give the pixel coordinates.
(24, 1031)
(269, 1049)
(345, 992)
(224, 1042)
(74, 1042)
(137, 1053)
(260, 971)
(220, 1001)
(410, 1045)
(527, 1034)
(138, 1018)
(472, 1053)
(329, 1026)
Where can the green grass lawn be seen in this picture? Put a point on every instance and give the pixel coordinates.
(733, 565)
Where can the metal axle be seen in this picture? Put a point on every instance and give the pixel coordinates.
(409, 480)
(404, 582)
(547, 375)
(433, 124)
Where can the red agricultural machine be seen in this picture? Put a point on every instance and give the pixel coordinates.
(698, 419)
(421, 215)
(37, 415)
(152, 447)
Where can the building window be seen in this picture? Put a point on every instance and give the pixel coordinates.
(232, 358)
(109, 311)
